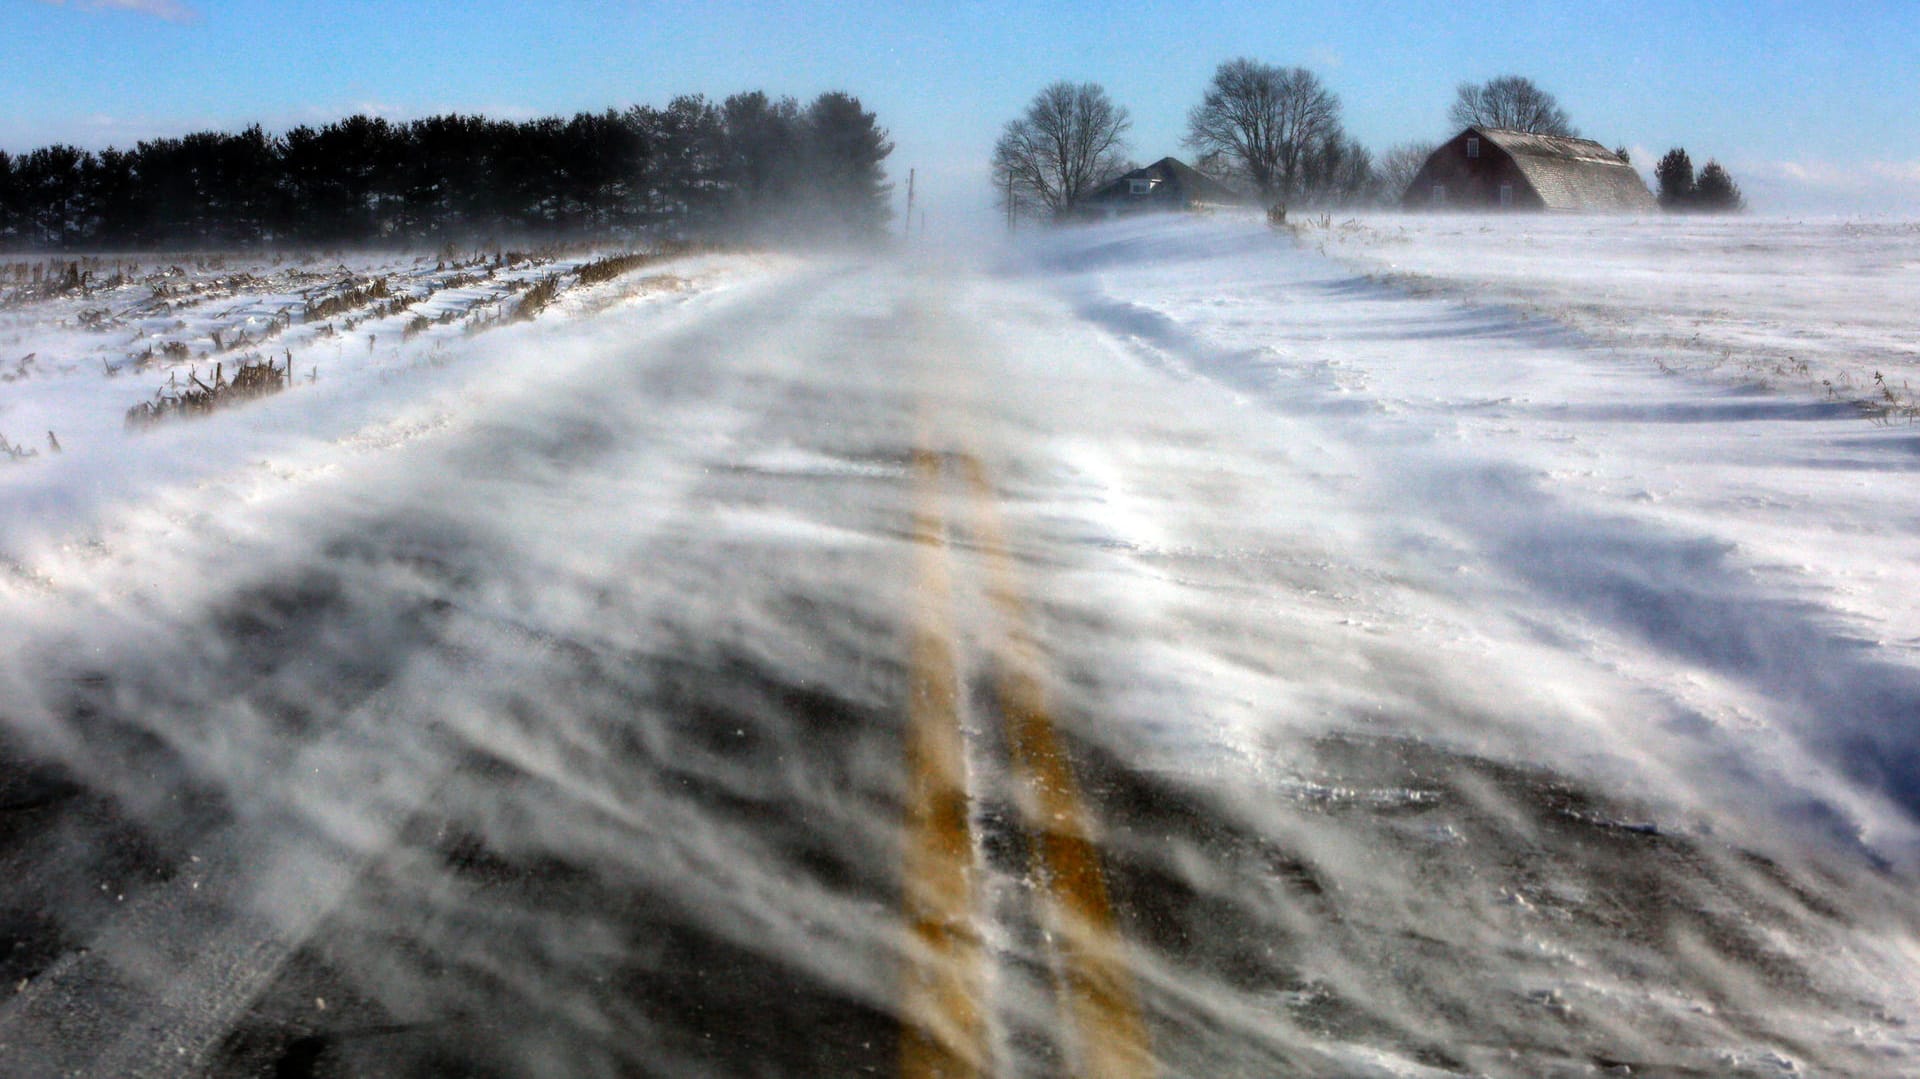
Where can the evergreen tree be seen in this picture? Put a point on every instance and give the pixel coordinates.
(1674, 174)
(237, 186)
(119, 201)
(53, 196)
(9, 201)
(844, 165)
(683, 186)
(601, 160)
(1715, 191)
(761, 155)
(691, 169)
(445, 186)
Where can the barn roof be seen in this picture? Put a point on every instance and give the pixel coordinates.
(1174, 175)
(1572, 174)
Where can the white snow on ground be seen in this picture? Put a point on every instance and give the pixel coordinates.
(76, 362)
(1500, 508)
(1495, 505)
(1744, 552)
(1821, 305)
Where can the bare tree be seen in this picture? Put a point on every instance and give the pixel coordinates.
(1069, 142)
(1398, 166)
(1511, 102)
(1265, 121)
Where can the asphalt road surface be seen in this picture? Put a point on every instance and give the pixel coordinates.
(872, 669)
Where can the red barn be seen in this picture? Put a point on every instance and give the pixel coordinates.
(1490, 168)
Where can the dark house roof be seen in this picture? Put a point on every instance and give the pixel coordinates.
(1557, 172)
(1166, 184)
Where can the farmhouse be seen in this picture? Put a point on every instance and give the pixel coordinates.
(1166, 184)
(1492, 168)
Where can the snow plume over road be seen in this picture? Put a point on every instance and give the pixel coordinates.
(1164, 649)
(1755, 533)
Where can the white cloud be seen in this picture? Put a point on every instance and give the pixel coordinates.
(1897, 171)
(1843, 177)
(1811, 173)
(1869, 186)
(170, 10)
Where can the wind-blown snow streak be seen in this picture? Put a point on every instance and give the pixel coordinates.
(1819, 305)
(1451, 692)
(1755, 537)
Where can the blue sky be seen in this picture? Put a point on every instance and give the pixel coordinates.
(1815, 105)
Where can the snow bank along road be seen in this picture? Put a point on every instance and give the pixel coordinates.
(1161, 651)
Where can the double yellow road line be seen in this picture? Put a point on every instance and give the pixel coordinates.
(945, 1031)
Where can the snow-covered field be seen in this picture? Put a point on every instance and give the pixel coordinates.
(1532, 401)
(1823, 305)
(75, 360)
(1511, 497)
(1484, 652)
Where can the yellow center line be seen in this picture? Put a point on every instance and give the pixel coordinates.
(1094, 980)
(943, 1036)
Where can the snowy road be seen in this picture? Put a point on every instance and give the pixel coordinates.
(1162, 651)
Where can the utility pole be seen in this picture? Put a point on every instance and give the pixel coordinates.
(1009, 200)
(908, 232)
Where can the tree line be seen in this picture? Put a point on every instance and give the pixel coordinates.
(1271, 130)
(1275, 130)
(1680, 190)
(748, 166)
